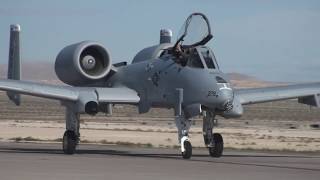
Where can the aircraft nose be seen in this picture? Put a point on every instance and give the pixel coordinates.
(226, 96)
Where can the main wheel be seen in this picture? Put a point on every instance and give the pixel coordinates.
(217, 149)
(188, 150)
(69, 142)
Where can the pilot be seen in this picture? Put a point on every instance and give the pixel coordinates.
(182, 55)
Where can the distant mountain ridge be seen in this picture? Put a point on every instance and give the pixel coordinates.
(245, 81)
(33, 71)
(44, 72)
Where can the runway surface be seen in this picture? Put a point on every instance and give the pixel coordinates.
(46, 161)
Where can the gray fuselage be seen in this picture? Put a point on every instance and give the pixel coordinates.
(157, 80)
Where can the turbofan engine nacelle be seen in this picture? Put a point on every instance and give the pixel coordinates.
(82, 63)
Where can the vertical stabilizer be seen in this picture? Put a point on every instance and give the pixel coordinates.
(14, 60)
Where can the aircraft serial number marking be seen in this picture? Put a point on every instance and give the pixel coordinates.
(212, 93)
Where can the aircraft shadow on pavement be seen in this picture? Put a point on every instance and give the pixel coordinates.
(176, 156)
(130, 153)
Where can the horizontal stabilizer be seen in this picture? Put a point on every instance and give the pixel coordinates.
(310, 100)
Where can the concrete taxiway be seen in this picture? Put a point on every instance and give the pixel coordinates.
(46, 161)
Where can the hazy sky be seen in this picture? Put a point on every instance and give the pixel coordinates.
(272, 40)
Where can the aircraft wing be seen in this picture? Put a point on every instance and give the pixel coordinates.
(306, 93)
(68, 93)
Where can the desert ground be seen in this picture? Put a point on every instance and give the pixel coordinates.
(277, 126)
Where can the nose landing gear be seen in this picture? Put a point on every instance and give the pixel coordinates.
(186, 148)
(183, 126)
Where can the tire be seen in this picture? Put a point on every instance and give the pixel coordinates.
(69, 142)
(217, 149)
(188, 150)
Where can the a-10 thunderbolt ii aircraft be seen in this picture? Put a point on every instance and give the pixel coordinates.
(183, 75)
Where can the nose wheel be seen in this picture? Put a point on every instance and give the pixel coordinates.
(186, 148)
(216, 146)
(69, 143)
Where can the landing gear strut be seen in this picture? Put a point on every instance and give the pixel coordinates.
(213, 141)
(183, 126)
(71, 135)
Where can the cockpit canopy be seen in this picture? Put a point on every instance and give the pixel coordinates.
(201, 57)
(189, 49)
(195, 31)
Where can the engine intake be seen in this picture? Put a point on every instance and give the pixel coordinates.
(82, 63)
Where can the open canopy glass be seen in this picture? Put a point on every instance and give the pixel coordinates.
(195, 31)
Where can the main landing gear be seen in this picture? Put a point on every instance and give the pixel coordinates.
(71, 135)
(213, 141)
(69, 142)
